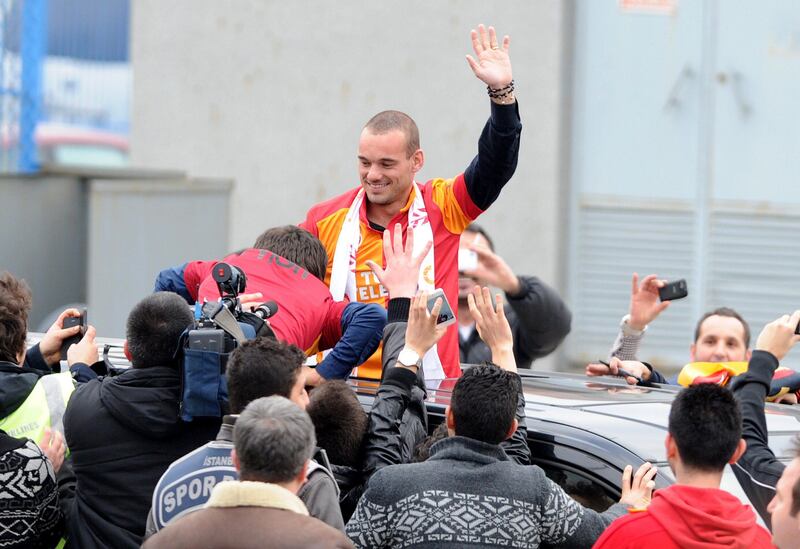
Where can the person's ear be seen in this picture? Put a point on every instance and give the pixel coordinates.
(692, 349)
(449, 420)
(235, 459)
(512, 429)
(302, 476)
(670, 447)
(417, 160)
(748, 354)
(127, 351)
(740, 449)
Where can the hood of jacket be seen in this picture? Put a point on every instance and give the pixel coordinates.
(700, 518)
(16, 383)
(145, 400)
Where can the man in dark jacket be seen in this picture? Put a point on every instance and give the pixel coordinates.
(274, 441)
(758, 470)
(124, 431)
(422, 504)
(539, 318)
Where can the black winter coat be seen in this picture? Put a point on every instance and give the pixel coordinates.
(123, 432)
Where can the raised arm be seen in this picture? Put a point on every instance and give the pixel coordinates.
(498, 147)
(495, 331)
(410, 330)
(643, 309)
(758, 470)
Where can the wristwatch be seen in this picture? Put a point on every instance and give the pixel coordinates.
(408, 357)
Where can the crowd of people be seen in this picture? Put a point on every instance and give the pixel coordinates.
(287, 456)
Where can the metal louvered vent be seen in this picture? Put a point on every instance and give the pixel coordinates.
(754, 267)
(611, 245)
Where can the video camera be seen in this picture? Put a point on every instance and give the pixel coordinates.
(219, 328)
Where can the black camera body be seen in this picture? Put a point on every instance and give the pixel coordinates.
(219, 328)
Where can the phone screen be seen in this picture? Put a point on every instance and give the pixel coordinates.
(446, 315)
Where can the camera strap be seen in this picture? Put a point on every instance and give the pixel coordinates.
(223, 318)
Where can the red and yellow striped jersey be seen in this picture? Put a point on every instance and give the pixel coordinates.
(450, 210)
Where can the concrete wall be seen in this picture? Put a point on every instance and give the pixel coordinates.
(273, 94)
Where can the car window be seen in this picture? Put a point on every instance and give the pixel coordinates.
(579, 485)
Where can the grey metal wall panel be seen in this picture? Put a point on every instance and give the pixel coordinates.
(611, 246)
(754, 267)
(138, 228)
(43, 239)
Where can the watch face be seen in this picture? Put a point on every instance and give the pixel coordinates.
(408, 357)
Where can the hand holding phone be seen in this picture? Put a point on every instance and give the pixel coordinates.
(677, 289)
(69, 322)
(446, 316)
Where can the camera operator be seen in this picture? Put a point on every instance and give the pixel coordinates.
(124, 431)
(258, 368)
(287, 264)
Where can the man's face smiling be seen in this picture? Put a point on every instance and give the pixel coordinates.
(385, 168)
(721, 339)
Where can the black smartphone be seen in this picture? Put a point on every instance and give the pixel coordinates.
(797, 330)
(677, 289)
(446, 315)
(69, 322)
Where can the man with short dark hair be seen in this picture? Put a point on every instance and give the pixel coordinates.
(539, 318)
(351, 225)
(339, 422)
(257, 368)
(287, 265)
(704, 435)
(470, 493)
(274, 441)
(124, 431)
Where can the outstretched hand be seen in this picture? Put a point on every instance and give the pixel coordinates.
(493, 64)
(493, 327)
(645, 305)
(638, 491)
(617, 367)
(778, 337)
(401, 274)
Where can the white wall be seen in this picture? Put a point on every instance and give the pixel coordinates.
(274, 94)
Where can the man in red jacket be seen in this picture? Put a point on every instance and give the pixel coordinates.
(705, 434)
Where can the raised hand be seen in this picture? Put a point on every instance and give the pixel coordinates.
(493, 327)
(493, 65)
(778, 337)
(492, 270)
(645, 305)
(402, 267)
(422, 332)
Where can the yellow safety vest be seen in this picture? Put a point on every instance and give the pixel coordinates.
(44, 407)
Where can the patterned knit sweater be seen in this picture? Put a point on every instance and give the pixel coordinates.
(470, 494)
(29, 511)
